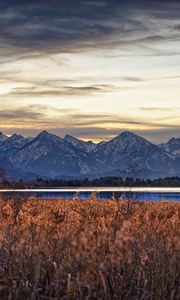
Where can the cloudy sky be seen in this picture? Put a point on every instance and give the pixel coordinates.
(90, 68)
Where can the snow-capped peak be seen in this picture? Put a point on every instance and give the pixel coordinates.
(50, 155)
(129, 136)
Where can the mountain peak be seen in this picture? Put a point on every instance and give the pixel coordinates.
(45, 136)
(15, 137)
(128, 137)
(44, 133)
(128, 134)
(132, 138)
(174, 140)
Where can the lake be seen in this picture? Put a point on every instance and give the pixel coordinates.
(102, 193)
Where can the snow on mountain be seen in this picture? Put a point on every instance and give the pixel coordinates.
(128, 148)
(13, 172)
(12, 144)
(52, 156)
(172, 147)
(82, 145)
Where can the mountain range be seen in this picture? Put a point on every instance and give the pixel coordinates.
(50, 156)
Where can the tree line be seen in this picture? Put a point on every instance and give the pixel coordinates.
(87, 182)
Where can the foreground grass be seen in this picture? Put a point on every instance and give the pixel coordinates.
(89, 250)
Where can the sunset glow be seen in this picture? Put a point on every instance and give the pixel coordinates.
(94, 69)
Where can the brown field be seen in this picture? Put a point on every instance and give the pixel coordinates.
(60, 249)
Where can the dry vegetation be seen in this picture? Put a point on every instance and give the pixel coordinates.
(92, 249)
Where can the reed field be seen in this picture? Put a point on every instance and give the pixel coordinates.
(73, 249)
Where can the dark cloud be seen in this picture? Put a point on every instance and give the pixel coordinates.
(37, 27)
(33, 113)
(20, 114)
(61, 91)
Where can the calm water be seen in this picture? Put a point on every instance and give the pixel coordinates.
(141, 194)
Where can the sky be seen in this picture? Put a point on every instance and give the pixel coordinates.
(90, 68)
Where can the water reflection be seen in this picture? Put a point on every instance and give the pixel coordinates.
(135, 196)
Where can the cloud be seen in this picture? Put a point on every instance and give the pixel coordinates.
(160, 109)
(161, 135)
(138, 79)
(80, 25)
(32, 114)
(61, 91)
(31, 32)
(31, 119)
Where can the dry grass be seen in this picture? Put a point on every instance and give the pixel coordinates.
(59, 249)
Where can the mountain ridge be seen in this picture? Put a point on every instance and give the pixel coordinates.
(50, 155)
